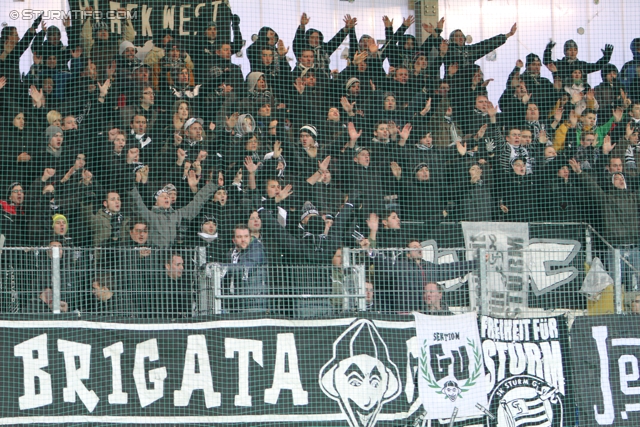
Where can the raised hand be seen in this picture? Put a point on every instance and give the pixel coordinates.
(387, 22)
(406, 130)
(182, 155)
(513, 30)
(277, 149)
(552, 67)
(48, 173)
(573, 118)
(461, 147)
(428, 27)
(104, 87)
(304, 20)
(282, 51)
(575, 166)
(408, 21)
(617, 114)
(360, 57)
(193, 178)
(284, 193)
(350, 22)
(3, 81)
(453, 68)
(353, 133)
(542, 137)
(323, 166)
(299, 85)
(440, 24)
(36, 95)
(519, 63)
(250, 165)
(346, 105)
(373, 222)
(111, 69)
(231, 121)
(396, 170)
(86, 177)
(607, 146)
(481, 131)
(373, 47)
(557, 115)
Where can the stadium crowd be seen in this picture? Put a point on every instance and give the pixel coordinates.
(138, 151)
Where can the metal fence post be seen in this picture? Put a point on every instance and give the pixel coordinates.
(346, 263)
(217, 290)
(588, 248)
(484, 290)
(203, 283)
(55, 278)
(362, 287)
(617, 281)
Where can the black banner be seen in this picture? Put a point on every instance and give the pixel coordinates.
(605, 353)
(316, 372)
(185, 17)
(348, 371)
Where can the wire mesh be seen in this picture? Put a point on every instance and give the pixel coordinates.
(229, 200)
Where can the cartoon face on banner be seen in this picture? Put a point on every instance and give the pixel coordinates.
(360, 376)
(525, 400)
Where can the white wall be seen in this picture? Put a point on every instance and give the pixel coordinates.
(610, 21)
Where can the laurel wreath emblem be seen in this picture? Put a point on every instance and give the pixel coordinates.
(470, 382)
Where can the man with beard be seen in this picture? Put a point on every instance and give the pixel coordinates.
(108, 224)
(246, 273)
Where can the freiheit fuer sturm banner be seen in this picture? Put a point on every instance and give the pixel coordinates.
(329, 372)
(525, 368)
(606, 352)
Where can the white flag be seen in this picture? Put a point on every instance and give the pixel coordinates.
(451, 375)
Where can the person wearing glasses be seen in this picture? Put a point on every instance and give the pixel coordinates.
(13, 219)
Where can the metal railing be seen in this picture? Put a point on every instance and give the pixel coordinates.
(141, 283)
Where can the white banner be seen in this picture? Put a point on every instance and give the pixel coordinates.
(451, 377)
(507, 278)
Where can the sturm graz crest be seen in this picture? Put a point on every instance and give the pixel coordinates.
(524, 400)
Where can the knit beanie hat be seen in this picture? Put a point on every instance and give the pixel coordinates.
(351, 82)
(308, 209)
(52, 131)
(58, 217)
(569, 44)
(532, 57)
(310, 129)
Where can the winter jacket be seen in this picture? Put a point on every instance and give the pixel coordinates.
(164, 223)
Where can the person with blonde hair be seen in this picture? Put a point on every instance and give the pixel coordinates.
(54, 118)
